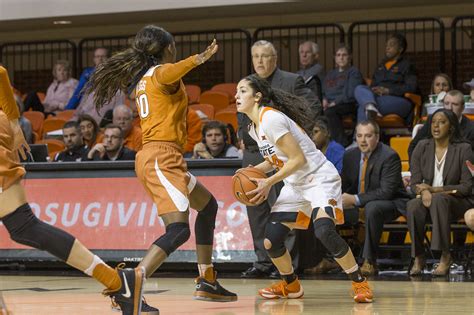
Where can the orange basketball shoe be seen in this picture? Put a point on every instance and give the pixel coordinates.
(362, 292)
(283, 290)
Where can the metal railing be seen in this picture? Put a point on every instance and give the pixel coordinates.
(287, 39)
(30, 64)
(426, 45)
(462, 49)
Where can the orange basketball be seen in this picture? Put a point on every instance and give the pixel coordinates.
(242, 184)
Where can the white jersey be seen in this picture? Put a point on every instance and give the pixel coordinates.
(315, 185)
(273, 125)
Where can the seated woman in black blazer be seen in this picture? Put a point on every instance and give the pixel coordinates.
(443, 183)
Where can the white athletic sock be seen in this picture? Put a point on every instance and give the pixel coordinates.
(96, 261)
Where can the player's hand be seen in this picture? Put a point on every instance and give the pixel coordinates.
(261, 192)
(19, 142)
(208, 53)
(470, 167)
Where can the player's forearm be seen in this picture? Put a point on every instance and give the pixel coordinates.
(265, 167)
(172, 72)
(290, 167)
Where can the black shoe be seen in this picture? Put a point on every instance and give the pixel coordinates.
(212, 291)
(253, 273)
(275, 274)
(146, 309)
(129, 296)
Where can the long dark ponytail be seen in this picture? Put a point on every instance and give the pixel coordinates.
(123, 70)
(295, 107)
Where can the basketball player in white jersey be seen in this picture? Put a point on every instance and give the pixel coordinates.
(312, 189)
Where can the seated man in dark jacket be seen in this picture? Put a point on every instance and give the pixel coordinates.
(75, 151)
(112, 148)
(372, 187)
(453, 101)
(394, 77)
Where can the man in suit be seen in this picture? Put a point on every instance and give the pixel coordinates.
(372, 188)
(454, 100)
(264, 59)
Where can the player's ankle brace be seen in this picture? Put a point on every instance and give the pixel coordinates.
(205, 223)
(176, 235)
(325, 231)
(25, 228)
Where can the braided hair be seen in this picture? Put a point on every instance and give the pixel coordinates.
(123, 70)
(295, 107)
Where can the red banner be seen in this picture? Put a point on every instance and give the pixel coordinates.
(116, 213)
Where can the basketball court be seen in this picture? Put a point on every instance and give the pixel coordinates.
(395, 294)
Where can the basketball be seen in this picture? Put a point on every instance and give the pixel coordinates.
(242, 184)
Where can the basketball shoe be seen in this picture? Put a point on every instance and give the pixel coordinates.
(129, 296)
(146, 309)
(207, 290)
(362, 292)
(283, 290)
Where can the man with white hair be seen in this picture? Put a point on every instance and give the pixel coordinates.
(123, 117)
(310, 68)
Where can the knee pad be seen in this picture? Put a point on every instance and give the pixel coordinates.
(25, 228)
(275, 236)
(205, 223)
(176, 235)
(325, 231)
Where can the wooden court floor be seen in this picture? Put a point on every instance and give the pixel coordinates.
(39, 295)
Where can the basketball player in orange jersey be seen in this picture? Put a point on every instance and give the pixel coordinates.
(122, 285)
(150, 68)
(312, 186)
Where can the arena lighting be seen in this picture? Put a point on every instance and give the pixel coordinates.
(62, 22)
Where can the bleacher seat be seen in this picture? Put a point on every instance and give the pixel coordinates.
(229, 88)
(36, 119)
(52, 124)
(227, 118)
(54, 145)
(66, 114)
(207, 109)
(400, 145)
(219, 100)
(194, 92)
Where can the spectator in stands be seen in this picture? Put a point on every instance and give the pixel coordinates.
(112, 149)
(75, 151)
(89, 130)
(310, 68)
(333, 151)
(194, 127)
(470, 86)
(453, 101)
(25, 124)
(441, 82)
(59, 92)
(214, 143)
(440, 177)
(372, 188)
(394, 77)
(339, 85)
(264, 60)
(100, 55)
(123, 117)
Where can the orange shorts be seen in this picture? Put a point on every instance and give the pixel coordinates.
(161, 169)
(11, 171)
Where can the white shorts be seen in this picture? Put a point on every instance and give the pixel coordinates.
(320, 190)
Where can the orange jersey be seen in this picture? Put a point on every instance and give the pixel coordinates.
(162, 102)
(7, 101)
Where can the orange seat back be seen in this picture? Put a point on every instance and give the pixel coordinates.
(36, 119)
(53, 145)
(227, 118)
(219, 100)
(207, 109)
(52, 124)
(229, 88)
(193, 92)
(66, 114)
